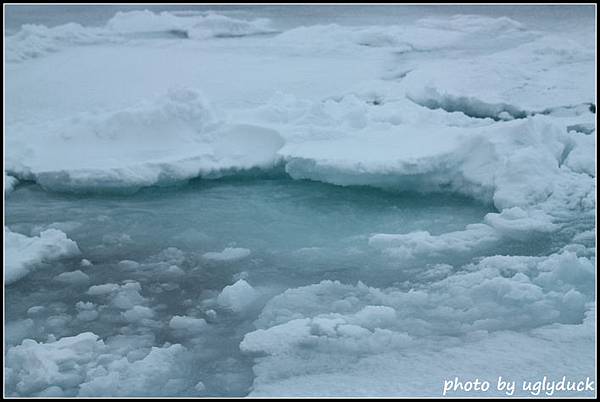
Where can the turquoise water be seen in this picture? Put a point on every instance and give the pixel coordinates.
(278, 219)
(298, 232)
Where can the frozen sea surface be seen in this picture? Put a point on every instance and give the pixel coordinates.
(298, 201)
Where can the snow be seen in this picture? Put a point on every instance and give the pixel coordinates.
(425, 34)
(74, 277)
(102, 289)
(579, 159)
(63, 367)
(191, 26)
(414, 194)
(86, 311)
(562, 61)
(237, 297)
(100, 151)
(9, 183)
(518, 223)
(25, 254)
(389, 375)
(420, 243)
(38, 40)
(123, 297)
(460, 322)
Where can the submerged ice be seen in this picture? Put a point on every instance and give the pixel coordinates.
(228, 208)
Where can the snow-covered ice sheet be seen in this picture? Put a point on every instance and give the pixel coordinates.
(336, 339)
(237, 206)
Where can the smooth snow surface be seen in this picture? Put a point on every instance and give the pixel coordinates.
(298, 201)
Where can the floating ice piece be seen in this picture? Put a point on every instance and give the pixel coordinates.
(174, 270)
(158, 373)
(138, 313)
(420, 243)
(84, 365)
(228, 254)
(35, 310)
(237, 297)
(123, 297)
(128, 296)
(106, 288)
(9, 183)
(520, 224)
(276, 339)
(74, 277)
(66, 362)
(86, 311)
(24, 254)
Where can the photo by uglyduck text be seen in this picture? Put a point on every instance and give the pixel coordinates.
(545, 386)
